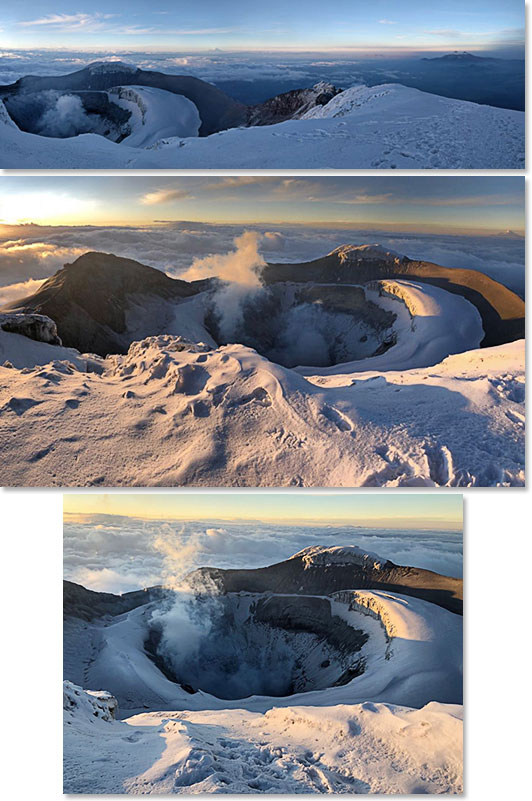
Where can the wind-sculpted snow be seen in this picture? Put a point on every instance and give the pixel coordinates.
(356, 748)
(227, 416)
(384, 127)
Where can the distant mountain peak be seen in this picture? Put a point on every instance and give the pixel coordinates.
(355, 253)
(509, 234)
(458, 55)
(111, 66)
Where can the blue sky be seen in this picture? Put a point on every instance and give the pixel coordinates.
(242, 25)
(438, 203)
(418, 511)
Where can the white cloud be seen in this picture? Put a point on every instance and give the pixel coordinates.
(388, 22)
(37, 252)
(161, 196)
(126, 553)
(68, 21)
(22, 289)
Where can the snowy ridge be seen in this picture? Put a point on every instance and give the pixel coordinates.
(155, 114)
(100, 67)
(318, 556)
(357, 253)
(389, 126)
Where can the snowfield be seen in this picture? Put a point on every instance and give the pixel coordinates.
(172, 413)
(397, 728)
(361, 748)
(384, 127)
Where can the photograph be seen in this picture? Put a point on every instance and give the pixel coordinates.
(262, 643)
(245, 85)
(262, 331)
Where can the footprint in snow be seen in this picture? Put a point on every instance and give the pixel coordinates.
(340, 420)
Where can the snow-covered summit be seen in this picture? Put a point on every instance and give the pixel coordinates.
(100, 67)
(320, 555)
(357, 253)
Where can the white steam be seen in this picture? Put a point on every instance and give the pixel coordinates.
(185, 622)
(240, 270)
(240, 266)
(65, 117)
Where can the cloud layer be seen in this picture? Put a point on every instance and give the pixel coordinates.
(31, 252)
(116, 554)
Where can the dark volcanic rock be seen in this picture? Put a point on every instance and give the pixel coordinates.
(295, 576)
(88, 605)
(502, 311)
(89, 300)
(291, 105)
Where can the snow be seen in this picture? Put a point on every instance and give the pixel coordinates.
(355, 253)
(388, 126)
(100, 67)
(360, 748)
(189, 414)
(394, 729)
(422, 331)
(316, 555)
(23, 353)
(155, 114)
(412, 656)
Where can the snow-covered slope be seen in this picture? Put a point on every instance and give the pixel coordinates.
(412, 655)
(388, 126)
(155, 114)
(180, 413)
(360, 748)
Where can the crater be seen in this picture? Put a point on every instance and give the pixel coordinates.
(61, 115)
(300, 325)
(239, 645)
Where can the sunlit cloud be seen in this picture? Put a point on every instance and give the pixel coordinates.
(22, 289)
(161, 196)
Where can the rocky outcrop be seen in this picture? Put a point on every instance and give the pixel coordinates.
(291, 105)
(34, 326)
(329, 576)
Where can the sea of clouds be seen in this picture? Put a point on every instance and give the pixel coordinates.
(252, 77)
(31, 253)
(117, 554)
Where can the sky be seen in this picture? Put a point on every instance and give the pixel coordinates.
(420, 511)
(439, 204)
(383, 25)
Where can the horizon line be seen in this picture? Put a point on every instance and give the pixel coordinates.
(449, 525)
(384, 226)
